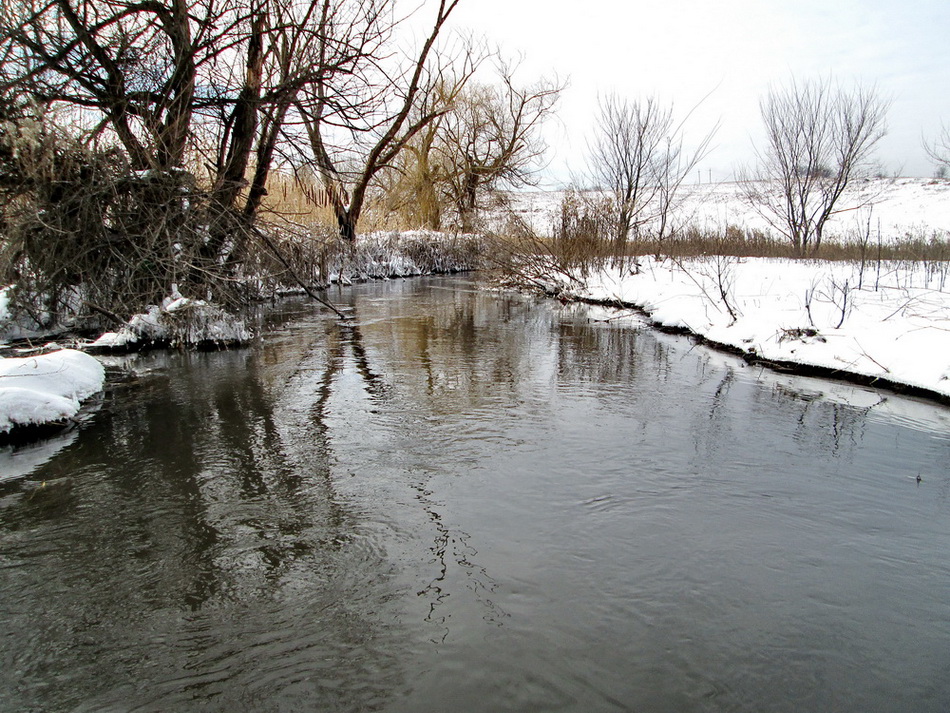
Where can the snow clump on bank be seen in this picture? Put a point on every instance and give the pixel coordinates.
(47, 388)
(179, 320)
(887, 324)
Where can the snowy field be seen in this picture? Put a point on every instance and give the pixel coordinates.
(900, 208)
(887, 322)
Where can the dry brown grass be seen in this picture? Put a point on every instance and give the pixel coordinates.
(737, 242)
(289, 199)
(579, 246)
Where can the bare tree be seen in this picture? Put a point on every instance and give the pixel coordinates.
(379, 114)
(492, 138)
(626, 157)
(939, 151)
(489, 139)
(243, 82)
(819, 137)
(638, 157)
(129, 69)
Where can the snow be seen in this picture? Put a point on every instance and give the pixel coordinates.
(891, 325)
(887, 322)
(46, 388)
(900, 207)
(178, 319)
(388, 254)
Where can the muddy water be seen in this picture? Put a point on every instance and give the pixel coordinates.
(464, 501)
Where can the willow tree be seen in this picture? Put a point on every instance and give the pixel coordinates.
(492, 138)
(489, 138)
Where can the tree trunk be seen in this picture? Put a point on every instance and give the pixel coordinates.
(267, 144)
(231, 173)
(469, 197)
(347, 222)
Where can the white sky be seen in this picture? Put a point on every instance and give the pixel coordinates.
(683, 50)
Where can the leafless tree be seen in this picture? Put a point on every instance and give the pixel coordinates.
(243, 82)
(638, 157)
(492, 138)
(939, 151)
(361, 128)
(819, 137)
(626, 157)
(150, 84)
(412, 185)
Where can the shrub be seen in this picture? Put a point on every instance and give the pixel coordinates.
(87, 238)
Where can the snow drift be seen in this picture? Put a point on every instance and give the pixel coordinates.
(47, 388)
(179, 320)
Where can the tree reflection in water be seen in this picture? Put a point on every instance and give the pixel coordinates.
(202, 552)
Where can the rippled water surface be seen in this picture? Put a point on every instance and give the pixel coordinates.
(465, 501)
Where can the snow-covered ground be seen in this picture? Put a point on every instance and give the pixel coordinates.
(46, 388)
(900, 207)
(890, 324)
(178, 319)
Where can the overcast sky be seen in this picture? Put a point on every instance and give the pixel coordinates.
(730, 50)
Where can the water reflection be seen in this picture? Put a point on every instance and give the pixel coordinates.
(201, 551)
(697, 530)
(440, 360)
(465, 500)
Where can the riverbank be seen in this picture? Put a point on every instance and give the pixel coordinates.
(880, 324)
(884, 325)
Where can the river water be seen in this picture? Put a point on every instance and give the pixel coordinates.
(470, 501)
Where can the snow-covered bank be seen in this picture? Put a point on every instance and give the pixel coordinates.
(187, 320)
(385, 255)
(891, 328)
(47, 388)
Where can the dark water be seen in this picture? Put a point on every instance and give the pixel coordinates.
(464, 501)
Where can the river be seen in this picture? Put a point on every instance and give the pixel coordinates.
(464, 500)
